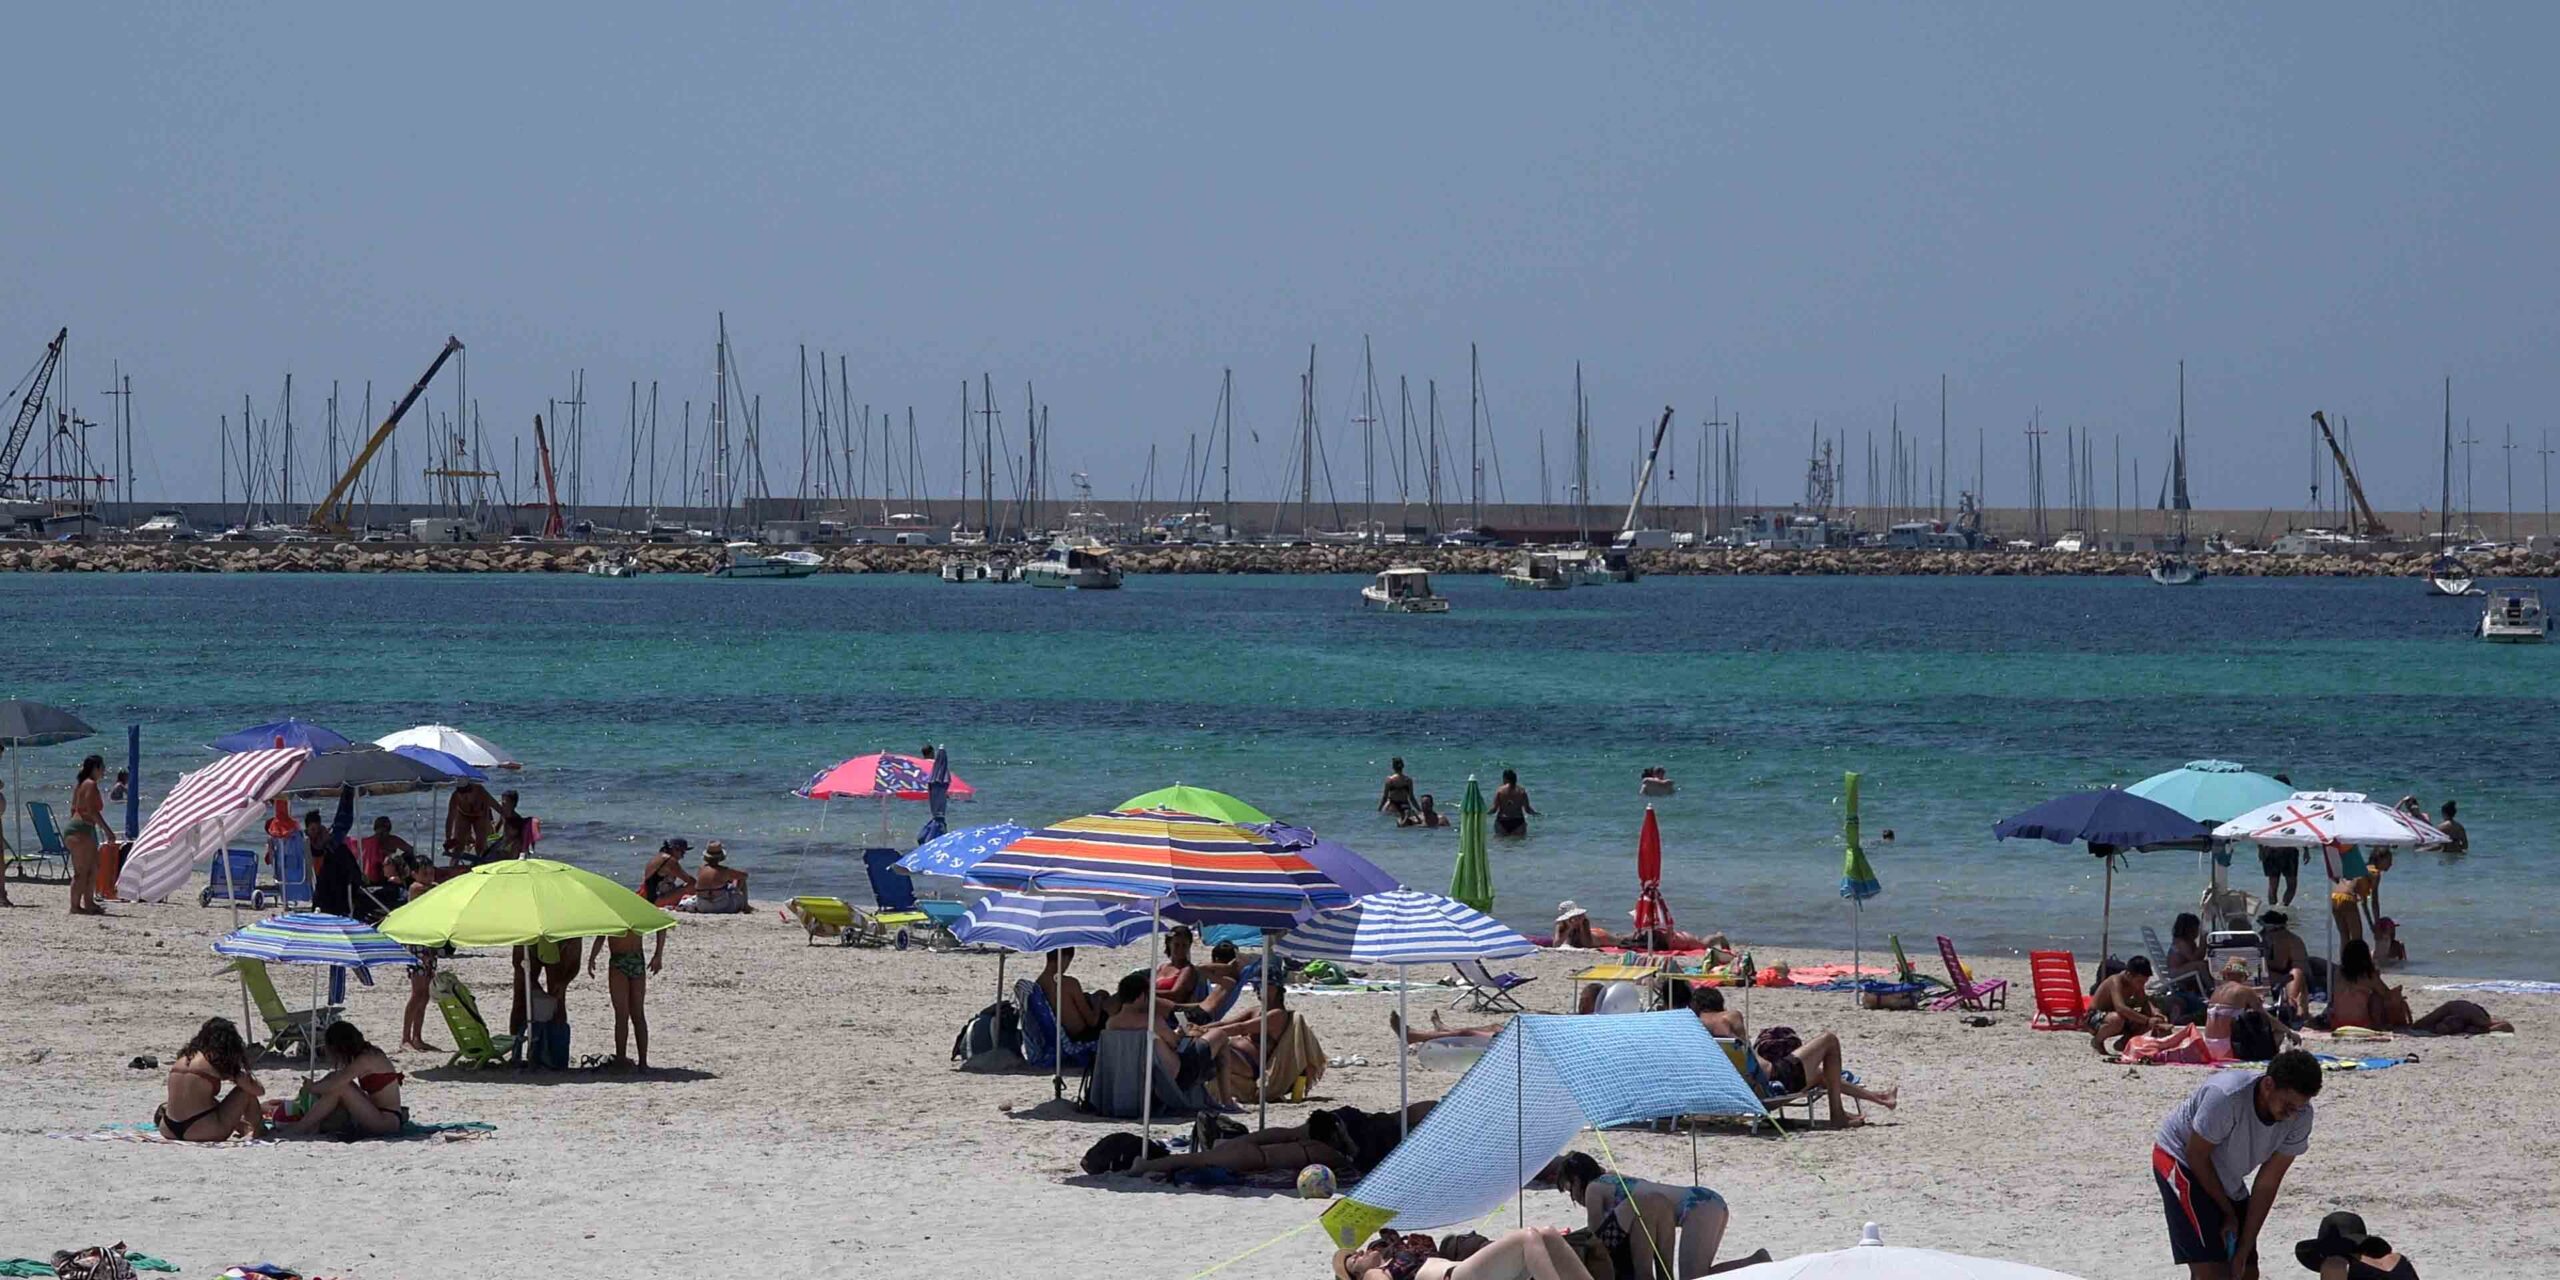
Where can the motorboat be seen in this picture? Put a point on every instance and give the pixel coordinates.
(612, 566)
(1586, 569)
(975, 569)
(2514, 616)
(1403, 588)
(170, 524)
(2448, 576)
(1082, 563)
(747, 560)
(2176, 571)
(1538, 571)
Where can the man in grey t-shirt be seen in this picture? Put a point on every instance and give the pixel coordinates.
(2236, 1125)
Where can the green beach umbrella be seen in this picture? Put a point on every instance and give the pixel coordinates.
(1472, 882)
(1857, 879)
(1199, 802)
(521, 902)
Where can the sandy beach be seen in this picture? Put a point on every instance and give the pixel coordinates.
(804, 1120)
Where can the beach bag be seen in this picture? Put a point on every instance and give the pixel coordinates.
(547, 1045)
(2253, 1036)
(1776, 1046)
(93, 1263)
(996, 1029)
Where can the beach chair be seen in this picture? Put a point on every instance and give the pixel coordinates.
(2060, 1004)
(287, 1029)
(1113, 1087)
(1968, 994)
(49, 846)
(1481, 992)
(2161, 982)
(1772, 1101)
(474, 1045)
(293, 872)
(1039, 1021)
(831, 918)
(234, 878)
(895, 894)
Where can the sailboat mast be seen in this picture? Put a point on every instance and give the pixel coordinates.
(1227, 450)
(1475, 461)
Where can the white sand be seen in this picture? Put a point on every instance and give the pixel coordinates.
(815, 1128)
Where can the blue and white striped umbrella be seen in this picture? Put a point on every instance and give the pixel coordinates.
(1406, 926)
(1036, 923)
(310, 937)
(955, 853)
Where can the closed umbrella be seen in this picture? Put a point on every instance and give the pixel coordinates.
(1652, 921)
(1857, 880)
(1404, 927)
(1199, 802)
(1472, 881)
(33, 724)
(1036, 924)
(288, 732)
(937, 797)
(1872, 1259)
(469, 748)
(2110, 821)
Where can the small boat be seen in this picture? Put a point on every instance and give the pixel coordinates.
(975, 569)
(1403, 588)
(1082, 563)
(747, 560)
(2176, 571)
(2448, 576)
(169, 524)
(1539, 571)
(2515, 616)
(612, 567)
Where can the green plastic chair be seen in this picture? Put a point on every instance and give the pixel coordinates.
(474, 1045)
(287, 1029)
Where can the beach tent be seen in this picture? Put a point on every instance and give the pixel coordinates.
(469, 748)
(34, 724)
(1544, 1079)
(1471, 882)
(1872, 1259)
(2110, 821)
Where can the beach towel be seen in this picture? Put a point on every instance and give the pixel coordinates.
(1297, 1052)
(2504, 987)
(457, 1131)
(32, 1267)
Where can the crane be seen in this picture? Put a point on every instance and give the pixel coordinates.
(325, 517)
(2347, 472)
(552, 529)
(30, 407)
(1646, 480)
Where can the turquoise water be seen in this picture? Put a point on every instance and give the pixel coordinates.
(663, 706)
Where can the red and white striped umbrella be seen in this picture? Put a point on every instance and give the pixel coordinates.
(202, 813)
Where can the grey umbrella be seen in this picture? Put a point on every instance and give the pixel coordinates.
(371, 770)
(33, 724)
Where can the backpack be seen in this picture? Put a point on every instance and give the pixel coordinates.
(2253, 1036)
(1776, 1047)
(996, 1029)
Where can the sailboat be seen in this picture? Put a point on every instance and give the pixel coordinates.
(2447, 576)
(2173, 568)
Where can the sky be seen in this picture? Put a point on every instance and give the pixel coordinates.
(1799, 214)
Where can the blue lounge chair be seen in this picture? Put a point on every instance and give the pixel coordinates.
(1038, 1020)
(49, 846)
(234, 878)
(293, 871)
(895, 893)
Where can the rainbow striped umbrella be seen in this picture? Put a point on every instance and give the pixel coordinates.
(1202, 870)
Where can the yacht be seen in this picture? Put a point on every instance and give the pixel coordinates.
(1082, 563)
(976, 569)
(1538, 571)
(170, 524)
(2514, 616)
(2176, 571)
(1403, 588)
(1585, 567)
(747, 560)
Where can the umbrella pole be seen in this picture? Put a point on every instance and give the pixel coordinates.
(1403, 1093)
(1000, 977)
(1058, 1041)
(1262, 1038)
(1147, 1074)
(2107, 912)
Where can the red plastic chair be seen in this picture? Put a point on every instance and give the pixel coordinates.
(2060, 1004)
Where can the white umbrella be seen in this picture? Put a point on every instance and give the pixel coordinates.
(1872, 1259)
(2327, 819)
(469, 748)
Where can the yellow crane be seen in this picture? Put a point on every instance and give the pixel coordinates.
(325, 518)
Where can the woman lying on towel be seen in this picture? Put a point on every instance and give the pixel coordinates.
(195, 1108)
(2360, 998)
(1347, 1140)
(1531, 1253)
(361, 1099)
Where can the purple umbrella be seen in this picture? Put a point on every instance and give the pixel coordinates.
(1337, 861)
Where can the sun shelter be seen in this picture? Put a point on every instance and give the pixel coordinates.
(1545, 1078)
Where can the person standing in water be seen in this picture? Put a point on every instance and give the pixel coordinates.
(1511, 807)
(1396, 799)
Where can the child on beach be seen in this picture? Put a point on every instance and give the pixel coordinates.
(627, 981)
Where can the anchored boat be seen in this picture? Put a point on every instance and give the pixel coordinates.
(2515, 616)
(747, 560)
(1403, 588)
(1082, 563)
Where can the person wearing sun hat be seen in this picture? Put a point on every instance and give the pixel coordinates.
(2344, 1250)
(1573, 927)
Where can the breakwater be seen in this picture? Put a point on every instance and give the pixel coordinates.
(352, 557)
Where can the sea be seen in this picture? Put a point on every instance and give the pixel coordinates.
(675, 705)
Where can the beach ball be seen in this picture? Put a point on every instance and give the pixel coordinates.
(1315, 1182)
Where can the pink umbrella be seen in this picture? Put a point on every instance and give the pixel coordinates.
(880, 775)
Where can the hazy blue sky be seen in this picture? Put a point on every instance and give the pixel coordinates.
(1807, 211)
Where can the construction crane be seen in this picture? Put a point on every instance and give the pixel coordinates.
(552, 528)
(29, 409)
(1645, 481)
(325, 517)
(2347, 471)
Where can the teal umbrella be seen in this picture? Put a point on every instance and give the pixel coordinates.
(1472, 882)
(2211, 790)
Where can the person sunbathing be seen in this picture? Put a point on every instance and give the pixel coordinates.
(361, 1098)
(1530, 1253)
(2360, 998)
(1247, 1032)
(2232, 999)
(1347, 1140)
(1782, 1064)
(718, 889)
(195, 1109)
(1479, 1036)
(2121, 1007)
(1080, 1015)
(1574, 928)
(1652, 1219)
(1720, 1022)
(1178, 979)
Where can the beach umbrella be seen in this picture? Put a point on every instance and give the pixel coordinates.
(34, 724)
(288, 732)
(2328, 819)
(2110, 821)
(1404, 927)
(1857, 880)
(370, 770)
(953, 853)
(937, 797)
(200, 815)
(520, 902)
(1199, 802)
(1652, 916)
(882, 776)
(469, 748)
(1339, 863)
(1472, 881)
(324, 942)
(1037, 924)
(2211, 790)
(453, 767)
(1872, 1259)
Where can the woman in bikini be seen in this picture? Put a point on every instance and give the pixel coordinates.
(664, 881)
(361, 1099)
(195, 1109)
(87, 831)
(1530, 1253)
(1177, 979)
(1648, 1215)
(628, 982)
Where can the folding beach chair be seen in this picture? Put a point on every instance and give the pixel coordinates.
(49, 846)
(896, 895)
(1773, 1101)
(474, 1045)
(1481, 992)
(831, 918)
(2160, 980)
(288, 1030)
(1113, 1087)
(1039, 1025)
(2060, 1004)
(1968, 994)
(293, 871)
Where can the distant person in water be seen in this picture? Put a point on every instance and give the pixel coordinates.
(1430, 815)
(469, 819)
(2457, 839)
(1511, 807)
(1396, 798)
(1655, 781)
